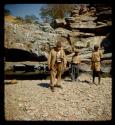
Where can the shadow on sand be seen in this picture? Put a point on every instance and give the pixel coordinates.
(27, 77)
(68, 80)
(86, 81)
(46, 85)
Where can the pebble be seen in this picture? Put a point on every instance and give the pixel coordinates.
(20, 104)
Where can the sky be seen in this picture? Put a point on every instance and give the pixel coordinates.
(24, 9)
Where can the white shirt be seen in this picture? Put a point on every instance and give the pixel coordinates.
(58, 57)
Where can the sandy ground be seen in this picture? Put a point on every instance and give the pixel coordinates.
(78, 101)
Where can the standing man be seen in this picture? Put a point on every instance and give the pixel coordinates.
(56, 64)
(75, 64)
(96, 63)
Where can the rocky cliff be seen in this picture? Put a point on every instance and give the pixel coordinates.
(83, 29)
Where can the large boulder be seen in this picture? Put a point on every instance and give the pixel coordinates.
(62, 32)
(59, 23)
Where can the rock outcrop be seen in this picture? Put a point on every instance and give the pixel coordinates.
(81, 30)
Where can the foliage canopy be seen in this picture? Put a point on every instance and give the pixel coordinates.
(50, 12)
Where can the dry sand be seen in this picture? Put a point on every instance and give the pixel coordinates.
(78, 101)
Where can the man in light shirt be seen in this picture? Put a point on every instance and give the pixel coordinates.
(75, 63)
(96, 63)
(56, 64)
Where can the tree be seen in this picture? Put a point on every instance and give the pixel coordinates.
(31, 18)
(19, 19)
(7, 12)
(53, 11)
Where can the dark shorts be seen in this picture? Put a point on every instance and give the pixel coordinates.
(96, 73)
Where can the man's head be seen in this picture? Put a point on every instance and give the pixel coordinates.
(76, 52)
(96, 47)
(58, 45)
